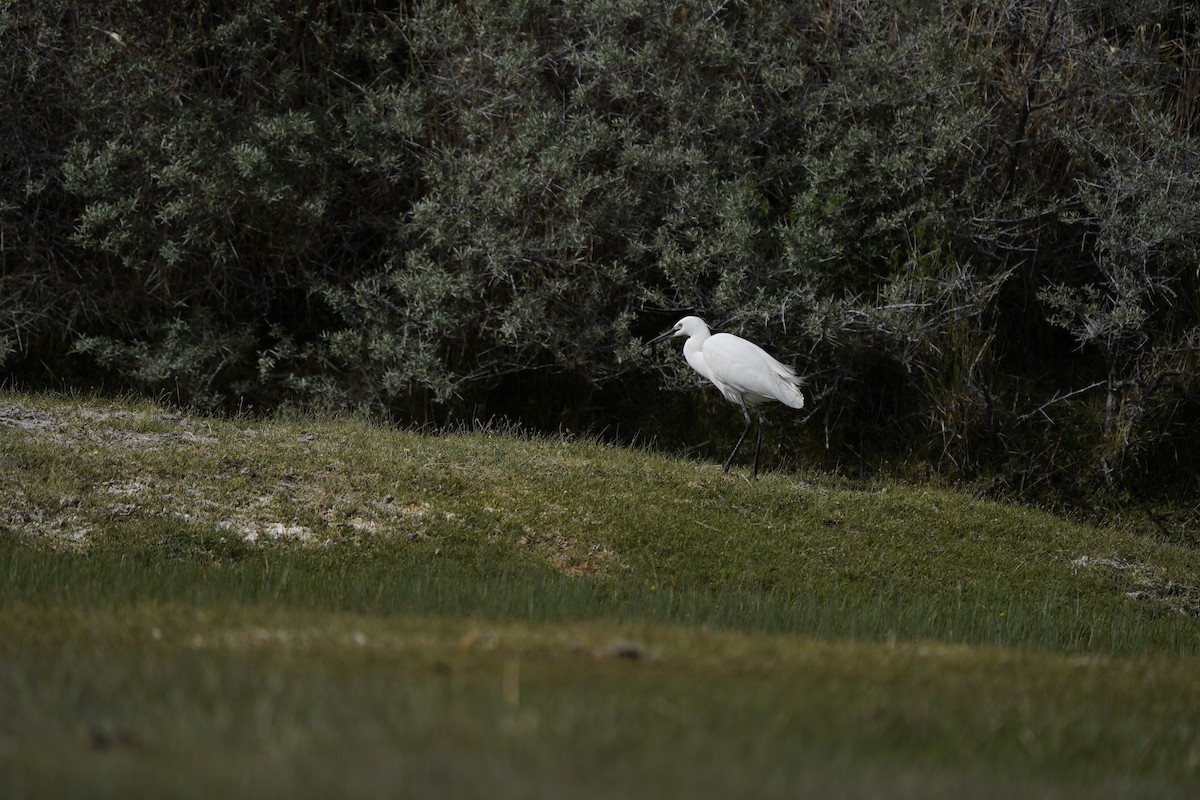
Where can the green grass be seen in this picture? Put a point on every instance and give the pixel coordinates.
(311, 607)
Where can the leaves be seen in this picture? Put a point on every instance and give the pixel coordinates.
(402, 208)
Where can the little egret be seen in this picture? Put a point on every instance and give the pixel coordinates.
(742, 370)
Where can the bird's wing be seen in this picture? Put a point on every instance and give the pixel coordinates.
(749, 372)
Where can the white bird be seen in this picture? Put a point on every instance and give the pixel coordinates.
(742, 370)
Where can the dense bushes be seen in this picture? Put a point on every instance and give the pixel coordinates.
(975, 227)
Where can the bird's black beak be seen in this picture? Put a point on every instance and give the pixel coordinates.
(661, 338)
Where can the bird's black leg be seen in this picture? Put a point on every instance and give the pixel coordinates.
(745, 430)
(757, 444)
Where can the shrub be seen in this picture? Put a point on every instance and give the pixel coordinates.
(973, 227)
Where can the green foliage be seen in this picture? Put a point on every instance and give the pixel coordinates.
(1134, 303)
(184, 360)
(961, 223)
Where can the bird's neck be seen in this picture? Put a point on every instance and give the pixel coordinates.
(693, 351)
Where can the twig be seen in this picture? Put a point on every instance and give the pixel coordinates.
(1058, 399)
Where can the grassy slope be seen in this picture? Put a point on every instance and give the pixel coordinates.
(302, 606)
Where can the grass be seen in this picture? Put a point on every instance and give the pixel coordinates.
(309, 607)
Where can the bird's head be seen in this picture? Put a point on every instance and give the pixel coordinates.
(688, 326)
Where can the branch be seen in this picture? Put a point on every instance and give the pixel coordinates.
(1058, 399)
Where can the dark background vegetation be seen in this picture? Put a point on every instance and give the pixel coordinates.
(974, 226)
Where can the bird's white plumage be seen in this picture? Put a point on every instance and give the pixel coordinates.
(744, 372)
(742, 368)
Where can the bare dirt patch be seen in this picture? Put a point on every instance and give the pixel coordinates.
(260, 485)
(1147, 584)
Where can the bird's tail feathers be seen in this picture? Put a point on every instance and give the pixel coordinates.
(793, 396)
(789, 385)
